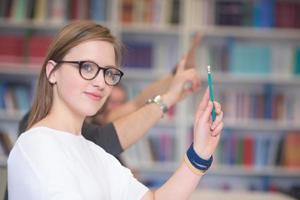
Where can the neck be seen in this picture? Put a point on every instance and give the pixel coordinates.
(61, 117)
(64, 121)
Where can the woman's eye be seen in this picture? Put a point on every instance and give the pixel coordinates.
(87, 67)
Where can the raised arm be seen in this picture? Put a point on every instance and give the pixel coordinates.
(135, 125)
(206, 137)
(158, 87)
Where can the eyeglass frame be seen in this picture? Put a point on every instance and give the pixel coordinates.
(79, 63)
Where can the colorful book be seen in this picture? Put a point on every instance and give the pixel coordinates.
(138, 55)
(250, 58)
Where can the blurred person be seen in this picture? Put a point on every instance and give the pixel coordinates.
(118, 97)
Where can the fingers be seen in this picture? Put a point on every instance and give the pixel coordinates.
(196, 40)
(217, 130)
(218, 108)
(203, 104)
(207, 112)
(204, 100)
(217, 121)
(191, 52)
(180, 67)
(191, 80)
(215, 127)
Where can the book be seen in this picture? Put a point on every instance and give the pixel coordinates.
(138, 55)
(229, 13)
(12, 48)
(98, 10)
(250, 58)
(291, 149)
(286, 14)
(296, 68)
(22, 95)
(37, 47)
(263, 13)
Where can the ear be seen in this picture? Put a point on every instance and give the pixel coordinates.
(49, 71)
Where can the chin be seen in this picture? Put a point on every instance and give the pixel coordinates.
(91, 111)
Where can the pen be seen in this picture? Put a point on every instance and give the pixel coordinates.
(211, 95)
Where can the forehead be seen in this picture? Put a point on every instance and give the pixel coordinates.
(101, 52)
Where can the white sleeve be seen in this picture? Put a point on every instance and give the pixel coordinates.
(124, 185)
(34, 172)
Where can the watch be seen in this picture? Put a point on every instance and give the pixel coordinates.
(158, 100)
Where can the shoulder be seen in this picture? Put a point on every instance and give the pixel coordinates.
(37, 142)
(36, 136)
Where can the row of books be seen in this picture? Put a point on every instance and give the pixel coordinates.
(15, 98)
(252, 149)
(18, 48)
(248, 57)
(262, 102)
(141, 54)
(159, 146)
(151, 11)
(57, 11)
(236, 148)
(255, 13)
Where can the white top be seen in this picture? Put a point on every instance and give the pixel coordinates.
(51, 164)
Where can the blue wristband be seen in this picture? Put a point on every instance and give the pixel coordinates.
(196, 161)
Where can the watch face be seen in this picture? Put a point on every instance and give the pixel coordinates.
(157, 100)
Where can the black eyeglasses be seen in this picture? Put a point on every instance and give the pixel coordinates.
(88, 70)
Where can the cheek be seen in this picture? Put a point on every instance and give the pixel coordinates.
(72, 87)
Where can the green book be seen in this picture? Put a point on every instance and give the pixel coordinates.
(297, 62)
(250, 58)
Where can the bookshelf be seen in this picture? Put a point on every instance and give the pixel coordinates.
(163, 31)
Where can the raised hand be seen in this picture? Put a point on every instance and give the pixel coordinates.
(206, 132)
(190, 56)
(177, 89)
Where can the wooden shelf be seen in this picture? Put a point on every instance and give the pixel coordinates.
(151, 29)
(255, 171)
(20, 69)
(276, 79)
(262, 125)
(248, 32)
(167, 168)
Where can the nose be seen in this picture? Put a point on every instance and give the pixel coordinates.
(99, 81)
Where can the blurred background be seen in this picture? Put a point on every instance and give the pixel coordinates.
(252, 46)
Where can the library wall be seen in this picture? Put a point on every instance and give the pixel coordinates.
(253, 47)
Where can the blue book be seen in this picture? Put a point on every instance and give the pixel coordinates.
(249, 58)
(2, 94)
(261, 150)
(138, 55)
(98, 10)
(268, 91)
(22, 98)
(263, 13)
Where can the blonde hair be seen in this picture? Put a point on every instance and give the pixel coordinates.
(69, 37)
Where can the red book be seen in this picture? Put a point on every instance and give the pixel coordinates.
(74, 9)
(127, 11)
(248, 151)
(12, 48)
(37, 48)
(285, 14)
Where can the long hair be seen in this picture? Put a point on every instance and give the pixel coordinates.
(70, 36)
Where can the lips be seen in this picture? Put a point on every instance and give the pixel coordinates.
(94, 96)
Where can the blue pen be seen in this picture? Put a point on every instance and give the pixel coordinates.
(211, 95)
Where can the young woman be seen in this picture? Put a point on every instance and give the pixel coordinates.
(52, 160)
